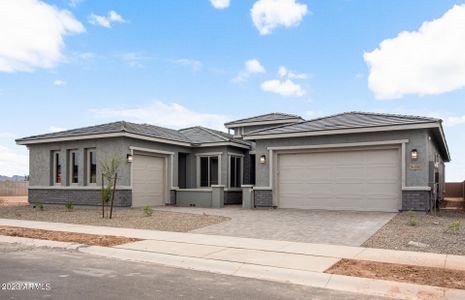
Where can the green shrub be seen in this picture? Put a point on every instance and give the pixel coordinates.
(454, 226)
(38, 205)
(69, 205)
(413, 222)
(148, 211)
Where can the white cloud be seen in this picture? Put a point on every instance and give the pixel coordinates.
(171, 115)
(220, 4)
(6, 135)
(133, 59)
(56, 129)
(286, 88)
(12, 163)
(426, 62)
(74, 3)
(32, 34)
(269, 14)
(454, 120)
(252, 66)
(195, 65)
(106, 21)
(284, 72)
(59, 82)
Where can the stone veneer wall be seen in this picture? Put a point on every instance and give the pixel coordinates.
(123, 197)
(232, 197)
(416, 200)
(263, 198)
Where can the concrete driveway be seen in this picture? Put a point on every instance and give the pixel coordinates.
(348, 228)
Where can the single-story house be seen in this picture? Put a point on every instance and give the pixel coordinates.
(349, 161)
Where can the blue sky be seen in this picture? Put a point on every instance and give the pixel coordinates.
(182, 63)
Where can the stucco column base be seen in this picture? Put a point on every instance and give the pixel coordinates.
(217, 196)
(247, 196)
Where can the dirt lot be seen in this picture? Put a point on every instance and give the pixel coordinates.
(122, 217)
(431, 231)
(71, 237)
(414, 274)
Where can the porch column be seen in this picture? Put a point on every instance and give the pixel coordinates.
(247, 196)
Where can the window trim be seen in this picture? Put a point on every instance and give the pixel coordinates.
(55, 163)
(76, 153)
(88, 163)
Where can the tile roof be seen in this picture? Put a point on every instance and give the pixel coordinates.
(193, 135)
(199, 134)
(264, 118)
(348, 120)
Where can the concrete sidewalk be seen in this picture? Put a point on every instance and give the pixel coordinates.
(225, 247)
(285, 262)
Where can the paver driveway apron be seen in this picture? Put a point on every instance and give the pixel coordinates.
(348, 228)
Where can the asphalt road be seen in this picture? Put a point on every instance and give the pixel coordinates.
(74, 275)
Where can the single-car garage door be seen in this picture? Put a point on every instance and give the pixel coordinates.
(148, 181)
(367, 180)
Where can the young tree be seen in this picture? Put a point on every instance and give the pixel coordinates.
(109, 171)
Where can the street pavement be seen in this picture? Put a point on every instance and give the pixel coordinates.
(74, 275)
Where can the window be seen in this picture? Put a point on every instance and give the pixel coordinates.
(208, 171)
(91, 167)
(74, 167)
(56, 167)
(235, 169)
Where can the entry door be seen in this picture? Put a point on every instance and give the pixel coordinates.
(148, 185)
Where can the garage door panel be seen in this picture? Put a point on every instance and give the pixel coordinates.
(355, 180)
(148, 180)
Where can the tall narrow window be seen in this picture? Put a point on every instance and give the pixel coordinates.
(91, 166)
(74, 167)
(235, 169)
(209, 174)
(56, 168)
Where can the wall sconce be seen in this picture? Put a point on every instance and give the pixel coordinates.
(414, 154)
(263, 159)
(129, 157)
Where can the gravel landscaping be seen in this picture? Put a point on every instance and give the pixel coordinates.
(423, 232)
(420, 275)
(122, 217)
(70, 237)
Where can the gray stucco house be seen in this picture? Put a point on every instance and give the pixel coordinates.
(348, 161)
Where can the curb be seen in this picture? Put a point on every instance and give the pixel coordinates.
(372, 287)
(40, 243)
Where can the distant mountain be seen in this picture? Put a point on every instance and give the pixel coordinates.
(12, 178)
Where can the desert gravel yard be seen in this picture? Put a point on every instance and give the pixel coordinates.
(122, 217)
(444, 233)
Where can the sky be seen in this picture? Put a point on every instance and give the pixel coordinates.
(70, 63)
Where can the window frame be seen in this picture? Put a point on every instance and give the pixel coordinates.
(199, 170)
(71, 166)
(56, 161)
(88, 166)
(240, 158)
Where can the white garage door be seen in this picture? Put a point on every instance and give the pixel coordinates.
(366, 180)
(148, 181)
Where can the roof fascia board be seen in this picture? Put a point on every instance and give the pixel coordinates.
(223, 144)
(342, 131)
(101, 136)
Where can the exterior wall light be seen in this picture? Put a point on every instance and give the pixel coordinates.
(129, 157)
(414, 154)
(263, 159)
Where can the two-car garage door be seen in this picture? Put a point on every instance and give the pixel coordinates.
(340, 180)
